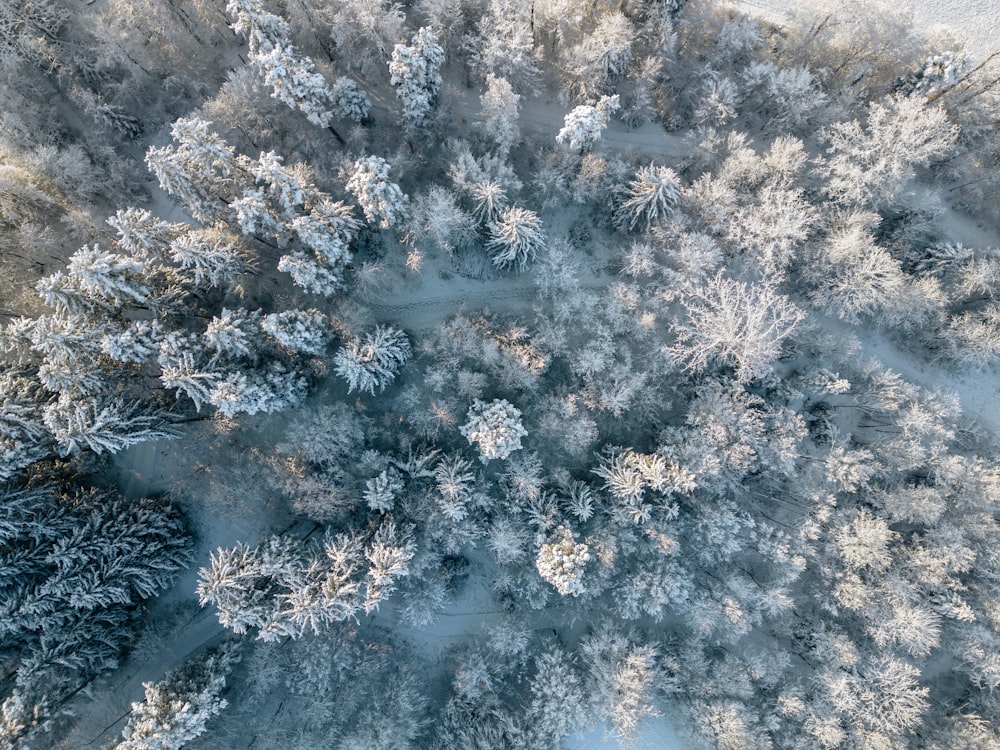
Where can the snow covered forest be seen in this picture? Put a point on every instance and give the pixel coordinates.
(497, 375)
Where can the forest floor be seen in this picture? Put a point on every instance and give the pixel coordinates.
(180, 628)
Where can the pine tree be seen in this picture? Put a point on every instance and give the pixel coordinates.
(298, 331)
(652, 196)
(415, 74)
(74, 566)
(516, 237)
(350, 102)
(212, 257)
(373, 361)
(380, 199)
(177, 709)
(295, 82)
(101, 424)
(201, 170)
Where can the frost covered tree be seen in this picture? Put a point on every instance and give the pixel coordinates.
(624, 678)
(594, 65)
(201, 170)
(437, 221)
(75, 564)
(350, 102)
(494, 428)
(380, 199)
(584, 125)
(651, 196)
(298, 331)
(414, 71)
(107, 278)
(295, 82)
(504, 45)
(176, 710)
(516, 237)
(285, 587)
(558, 695)
(212, 257)
(328, 229)
(293, 79)
(870, 163)
(101, 424)
(561, 561)
(142, 235)
(373, 360)
(735, 324)
(499, 104)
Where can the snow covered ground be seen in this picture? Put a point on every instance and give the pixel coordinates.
(976, 22)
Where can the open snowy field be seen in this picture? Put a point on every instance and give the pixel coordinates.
(976, 22)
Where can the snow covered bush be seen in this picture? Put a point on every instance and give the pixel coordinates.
(515, 238)
(415, 74)
(380, 199)
(585, 124)
(372, 361)
(561, 562)
(495, 428)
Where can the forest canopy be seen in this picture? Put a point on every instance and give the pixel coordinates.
(480, 373)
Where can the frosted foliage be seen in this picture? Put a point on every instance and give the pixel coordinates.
(558, 696)
(282, 183)
(651, 196)
(380, 199)
(938, 72)
(213, 259)
(350, 102)
(584, 125)
(871, 163)
(267, 389)
(309, 274)
(494, 428)
(500, 111)
(252, 212)
(100, 425)
(262, 29)
(372, 361)
(735, 324)
(141, 234)
(515, 238)
(136, 343)
(294, 82)
(328, 229)
(198, 170)
(284, 587)
(864, 542)
(108, 277)
(414, 72)
(300, 331)
(561, 562)
(176, 710)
